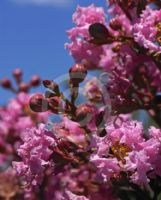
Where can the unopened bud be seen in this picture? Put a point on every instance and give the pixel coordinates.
(38, 103)
(55, 104)
(17, 73)
(6, 83)
(115, 24)
(77, 73)
(24, 87)
(98, 31)
(84, 114)
(35, 81)
(52, 85)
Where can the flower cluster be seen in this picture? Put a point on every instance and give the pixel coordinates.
(129, 45)
(126, 153)
(96, 150)
(15, 117)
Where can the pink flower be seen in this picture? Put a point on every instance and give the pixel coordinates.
(80, 48)
(70, 196)
(146, 31)
(106, 167)
(125, 149)
(88, 15)
(35, 153)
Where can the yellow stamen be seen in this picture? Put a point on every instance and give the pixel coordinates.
(120, 151)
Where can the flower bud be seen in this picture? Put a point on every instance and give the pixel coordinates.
(24, 87)
(6, 83)
(77, 73)
(55, 104)
(17, 73)
(115, 24)
(35, 81)
(38, 103)
(51, 85)
(98, 31)
(84, 114)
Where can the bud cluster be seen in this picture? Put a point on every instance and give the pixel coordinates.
(21, 86)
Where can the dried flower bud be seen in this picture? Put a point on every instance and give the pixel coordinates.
(84, 114)
(6, 83)
(38, 103)
(77, 73)
(55, 104)
(17, 73)
(35, 81)
(115, 24)
(24, 87)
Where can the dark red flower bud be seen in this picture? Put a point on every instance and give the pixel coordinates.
(38, 103)
(35, 81)
(84, 114)
(6, 83)
(17, 73)
(77, 73)
(51, 85)
(55, 104)
(98, 31)
(24, 87)
(115, 24)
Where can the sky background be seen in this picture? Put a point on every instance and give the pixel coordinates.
(32, 37)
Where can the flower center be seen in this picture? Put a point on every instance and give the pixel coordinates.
(158, 36)
(120, 151)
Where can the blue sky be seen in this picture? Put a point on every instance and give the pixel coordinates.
(32, 37)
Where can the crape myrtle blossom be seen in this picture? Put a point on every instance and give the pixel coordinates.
(14, 119)
(18, 111)
(147, 30)
(69, 196)
(120, 59)
(37, 165)
(80, 48)
(35, 153)
(125, 149)
(95, 151)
